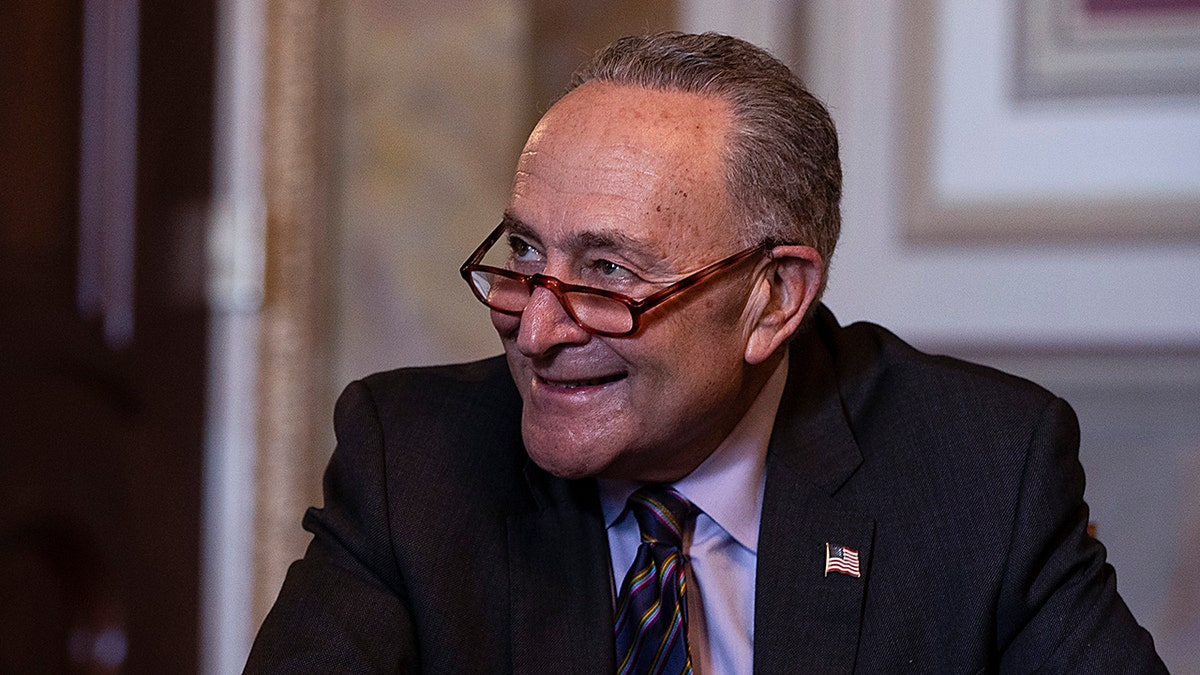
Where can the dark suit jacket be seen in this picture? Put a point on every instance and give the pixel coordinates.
(442, 548)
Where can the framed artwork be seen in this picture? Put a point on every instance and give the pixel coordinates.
(1107, 48)
(1050, 119)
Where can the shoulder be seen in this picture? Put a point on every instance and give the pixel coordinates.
(877, 371)
(454, 422)
(917, 415)
(434, 393)
(937, 434)
(483, 377)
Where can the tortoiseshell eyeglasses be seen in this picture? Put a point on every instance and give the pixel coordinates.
(598, 311)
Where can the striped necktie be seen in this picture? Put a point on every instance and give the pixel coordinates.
(651, 628)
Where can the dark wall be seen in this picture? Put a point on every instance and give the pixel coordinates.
(101, 441)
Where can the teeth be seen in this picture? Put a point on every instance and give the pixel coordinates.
(575, 384)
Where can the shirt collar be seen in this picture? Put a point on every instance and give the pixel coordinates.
(728, 485)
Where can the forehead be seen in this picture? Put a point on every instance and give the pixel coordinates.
(628, 164)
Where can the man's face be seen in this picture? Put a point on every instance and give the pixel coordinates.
(622, 187)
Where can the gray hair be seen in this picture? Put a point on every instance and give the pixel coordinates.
(782, 159)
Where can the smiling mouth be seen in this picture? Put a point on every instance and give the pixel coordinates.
(578, 384)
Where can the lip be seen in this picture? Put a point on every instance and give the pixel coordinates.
(571, 397)
(572, 393)
(576, 384)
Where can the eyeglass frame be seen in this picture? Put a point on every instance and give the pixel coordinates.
(560, 288)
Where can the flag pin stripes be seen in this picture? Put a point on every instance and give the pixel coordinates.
(841, 559)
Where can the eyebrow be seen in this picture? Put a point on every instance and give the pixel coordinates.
(610, 239)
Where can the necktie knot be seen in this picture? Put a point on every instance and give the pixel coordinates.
(661, 513)
(651, 628)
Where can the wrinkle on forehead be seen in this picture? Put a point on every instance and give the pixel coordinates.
(608, 166)
(623, 167)
(622, 123)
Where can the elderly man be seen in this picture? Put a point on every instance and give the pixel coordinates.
(684, 464)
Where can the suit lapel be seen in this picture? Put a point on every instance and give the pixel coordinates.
(561, 589)
(806, 620)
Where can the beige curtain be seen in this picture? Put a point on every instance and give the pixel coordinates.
(294, 409)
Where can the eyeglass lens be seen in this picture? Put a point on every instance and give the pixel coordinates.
(594, 312)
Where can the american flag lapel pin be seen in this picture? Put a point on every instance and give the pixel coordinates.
(841, 559)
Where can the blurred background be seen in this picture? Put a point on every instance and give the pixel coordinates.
(214, 214)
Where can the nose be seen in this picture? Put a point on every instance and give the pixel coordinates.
(546, 326)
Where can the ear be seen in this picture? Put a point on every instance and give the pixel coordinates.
(781, 299)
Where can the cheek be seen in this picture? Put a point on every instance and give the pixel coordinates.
(506, 325)
(710, 325)
(701, 352)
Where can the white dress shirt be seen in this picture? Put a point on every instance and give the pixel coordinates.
(721, 548)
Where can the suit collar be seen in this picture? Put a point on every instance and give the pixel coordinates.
(803, 618)
(812, 434)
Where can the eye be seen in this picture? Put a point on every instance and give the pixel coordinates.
(604, 273)
(609, 268)
(522, 256)
(520, 248)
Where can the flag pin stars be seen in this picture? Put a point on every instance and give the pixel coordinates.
(841, 559)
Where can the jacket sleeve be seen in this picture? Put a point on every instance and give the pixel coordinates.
(1059, 610)
(342, 607)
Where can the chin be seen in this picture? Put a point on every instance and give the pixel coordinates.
(565, 461)
(563, 467)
